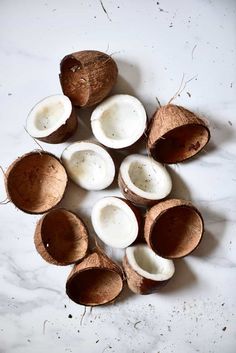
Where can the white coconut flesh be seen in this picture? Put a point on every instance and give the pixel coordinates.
(114, 222)
(89, 165)
(119, 121)
(149, 265)
(145, 177)
(48, 115)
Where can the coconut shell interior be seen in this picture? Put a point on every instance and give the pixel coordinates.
(36, 182)
(74, 80)
(176, 232)
(64, 237)
(94, 286)
(180, 144)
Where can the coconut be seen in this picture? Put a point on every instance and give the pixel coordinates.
(95, 281)
(52, 120)
(119, 121)
(87, 77)
(61, 237)
(143, 181)
(89, 165)
(145, 271)
(36, 182)
(173, 228)
(176, 134)
(116, 221)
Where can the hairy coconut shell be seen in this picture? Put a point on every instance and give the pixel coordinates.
(176, 134)
(87, 77)
(131, 196)
(36, 182)
(97, 280)
(139, 284)
(64, 131)
(173, 228)
(61, 237)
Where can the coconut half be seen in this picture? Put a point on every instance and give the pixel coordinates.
(146, 272)
(119, 121)
(97, 280)
(89, 165)
(52, 120)
(143, 181)
(115, 221)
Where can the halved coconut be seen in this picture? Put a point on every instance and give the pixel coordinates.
(95, 281)
(52, 120)
(143, 181)
(119, 121)
(176, 134)
(115, 221)
(145, 271)
(61, 237)
(173, 228)
(36, 182)
(89, 165)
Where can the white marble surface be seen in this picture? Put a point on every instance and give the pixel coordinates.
(154, 44)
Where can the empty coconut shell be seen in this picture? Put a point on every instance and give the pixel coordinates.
(95, 281)
(173, 228)
(145, 271)
(36, 182)
(61, 237)
(87, 77)
(176, 134)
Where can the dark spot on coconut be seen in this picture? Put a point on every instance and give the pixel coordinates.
(9, 94)
(230, 122)
(97, 341)
(222, 304)
(224, 328)
(188, 94)
(70, 316)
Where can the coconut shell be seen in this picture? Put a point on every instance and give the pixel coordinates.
(61, 237)
(87, 77)
(64, 131)
(173, 228)
(131, 196)
(36, 182)
(176, 134)
(139, 284)
(97, 280)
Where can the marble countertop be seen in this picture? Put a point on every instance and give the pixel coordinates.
(154, 44)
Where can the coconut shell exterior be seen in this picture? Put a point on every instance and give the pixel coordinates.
(82, 238)
(95, 261)
(87, 77)
(15, 183)
(131, 196)
(137, 283)
(168, 143)
(64, 131)
(156, 212)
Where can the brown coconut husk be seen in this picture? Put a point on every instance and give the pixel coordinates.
(97, 280)
(139, 284)
(87, 76)
(173, 228)
(176, 134)
(36, 182)
(64, 131)
(61, 237)
(131, 196)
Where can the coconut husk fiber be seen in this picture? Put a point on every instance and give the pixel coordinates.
(36, 182)
(61, 237)
(87, 76)
(97, 280)
(176, 134)
(173, 228)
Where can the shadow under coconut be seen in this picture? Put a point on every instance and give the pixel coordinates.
(179, 187)
(183, 278)
(129, 80)
(84, 131)
(125, 294)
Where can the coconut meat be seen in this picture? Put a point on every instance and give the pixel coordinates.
(114, 222)
(145, 177)
(48, 115)
(149, 265)
(119, 121)
(89, 165)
